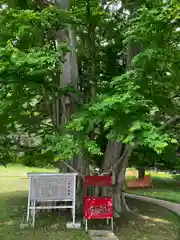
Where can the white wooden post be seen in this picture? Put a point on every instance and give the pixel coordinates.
(34, 212)
(51, 187)
(29, 201)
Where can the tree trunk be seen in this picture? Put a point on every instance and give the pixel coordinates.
(69, 69)
(141, 173)
(118, 194)
(119, 201)
(113, 152)
(70, 76)
(82, 166)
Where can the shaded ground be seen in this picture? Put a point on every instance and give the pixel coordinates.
(150, 222)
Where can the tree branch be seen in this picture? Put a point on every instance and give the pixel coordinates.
(73, 169)
(43, 3)
(129, 149)
(120, 161)
(25, 149)
(169, 122)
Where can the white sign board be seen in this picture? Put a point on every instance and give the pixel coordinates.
(51, 187)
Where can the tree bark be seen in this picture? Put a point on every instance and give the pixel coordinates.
(141, 173)
(69, 76)
(118, 195)
(115, 152)
(112, 153)
(69, 69)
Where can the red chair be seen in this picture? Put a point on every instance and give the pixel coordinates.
(96, 207)
(146, 182)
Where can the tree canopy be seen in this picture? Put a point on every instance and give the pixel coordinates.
(140, 102)
(128, 71)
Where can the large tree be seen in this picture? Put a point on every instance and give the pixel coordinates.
(141, 103)
(40, 83)
(88, 83)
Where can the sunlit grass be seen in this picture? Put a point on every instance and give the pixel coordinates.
(13, 205)
(132, 172)
(168, 195)
(19, 170)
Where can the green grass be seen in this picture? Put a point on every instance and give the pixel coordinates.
(18, 170)
(150, 222)
(165, 176)
(13, 202)
(168, 195)
(165, 186)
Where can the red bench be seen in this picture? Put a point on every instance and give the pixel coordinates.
(146, 182)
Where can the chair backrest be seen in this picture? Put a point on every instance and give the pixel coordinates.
(98, 181)
(148, 179)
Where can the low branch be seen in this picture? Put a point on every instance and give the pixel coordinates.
(73, 169)
(129, 149)
(20, 149)
(119, 161)
(43, 3)
(169, 122)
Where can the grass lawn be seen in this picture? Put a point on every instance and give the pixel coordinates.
(17, 170)
(150, 222)
(13, 202)
(165, 186)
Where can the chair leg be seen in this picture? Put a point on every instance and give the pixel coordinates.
(112, 224)
(107, 221)
(86, 225)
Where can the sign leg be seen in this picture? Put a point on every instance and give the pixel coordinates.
(34, 213)
(73, 215)
(29, 201)
(28, 210)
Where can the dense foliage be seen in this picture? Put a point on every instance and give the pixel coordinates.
(140, 100)
(135, 103)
